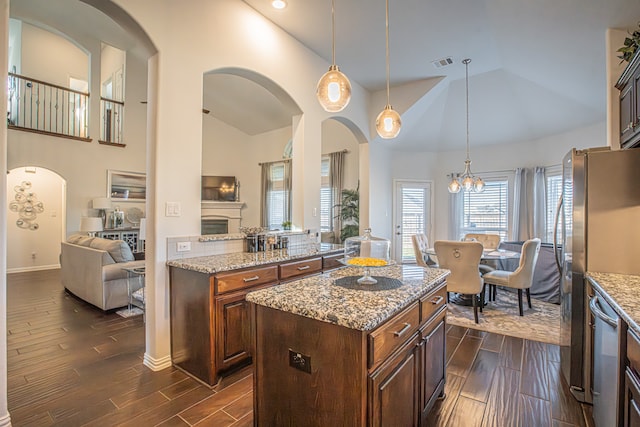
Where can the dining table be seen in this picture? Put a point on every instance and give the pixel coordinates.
(493, 257)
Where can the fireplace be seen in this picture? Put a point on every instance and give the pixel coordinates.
(214, 226)
(221, 217)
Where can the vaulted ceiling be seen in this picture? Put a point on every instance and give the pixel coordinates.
(538, 66)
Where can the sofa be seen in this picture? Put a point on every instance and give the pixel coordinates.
(92, 269)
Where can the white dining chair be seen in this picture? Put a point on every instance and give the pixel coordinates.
(462, 259)
(522, 277)
(420, 245)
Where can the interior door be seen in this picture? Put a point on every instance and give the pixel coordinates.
(412, 214)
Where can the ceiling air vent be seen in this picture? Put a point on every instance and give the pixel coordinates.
(439, 63)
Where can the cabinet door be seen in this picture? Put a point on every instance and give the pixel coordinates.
(626, 112)
(433, 364)
(233, 331)
(631, 401)
(636, 100)
(394, 388)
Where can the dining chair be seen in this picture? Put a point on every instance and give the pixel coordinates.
(522, 277)
(420, 246)
(489, 241)
(462, 259)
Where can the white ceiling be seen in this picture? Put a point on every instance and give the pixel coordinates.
(538, 66)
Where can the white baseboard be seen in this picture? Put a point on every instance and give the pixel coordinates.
(5, 420)
(157, 364)
(28, 269)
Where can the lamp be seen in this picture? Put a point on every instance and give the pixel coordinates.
(388, 122)
(142, 233)
(467, 180)
(334, 88)
(91, 225)
(102, 204)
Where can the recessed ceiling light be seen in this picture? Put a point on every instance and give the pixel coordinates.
(279, 4)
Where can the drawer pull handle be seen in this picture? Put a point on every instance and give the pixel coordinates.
(402, 331)
(437, 300)
(250, 279)
(306, 267)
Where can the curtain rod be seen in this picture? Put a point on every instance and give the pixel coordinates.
(275, 161)
(339, 151)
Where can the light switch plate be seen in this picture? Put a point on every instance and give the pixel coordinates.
(173, 209)
(183, 246)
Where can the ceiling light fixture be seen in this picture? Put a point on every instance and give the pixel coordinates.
(279, 4)
(388, 122)
(466, 181)
(334, 88)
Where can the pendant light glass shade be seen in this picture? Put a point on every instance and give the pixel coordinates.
(466, 181)
(334, 89)
(388, 122)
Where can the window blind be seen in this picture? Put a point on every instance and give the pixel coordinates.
(487, 212)
(326, 196)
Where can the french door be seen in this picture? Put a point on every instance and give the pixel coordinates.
(412, 214)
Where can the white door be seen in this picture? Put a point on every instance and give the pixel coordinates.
(412, 214)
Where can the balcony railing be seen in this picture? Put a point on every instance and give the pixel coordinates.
(42, 107)
(111, 112)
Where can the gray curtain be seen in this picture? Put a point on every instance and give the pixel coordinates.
(287, 187)
(336, 182)
(539, 203)
(520, 228)
(455, 219)
(265, 186)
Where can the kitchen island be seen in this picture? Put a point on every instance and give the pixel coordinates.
(210, 327)
(331, 352)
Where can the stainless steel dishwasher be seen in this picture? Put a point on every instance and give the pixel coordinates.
(606, 362)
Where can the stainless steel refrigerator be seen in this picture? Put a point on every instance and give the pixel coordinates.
(599, 212)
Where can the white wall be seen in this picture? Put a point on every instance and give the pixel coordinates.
(51, 58)
(112, 60)
(36, 249)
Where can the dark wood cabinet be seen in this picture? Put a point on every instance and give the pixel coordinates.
(394, 388)
(389, 376)
(210, 324)
(629, 87)
(631, 405)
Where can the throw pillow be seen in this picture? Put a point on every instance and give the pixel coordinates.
(118, 249)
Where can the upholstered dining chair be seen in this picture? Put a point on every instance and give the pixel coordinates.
(489, 241)
(420, 246)
(522, 277)
(462, 259)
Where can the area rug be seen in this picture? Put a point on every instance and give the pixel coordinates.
(540, 323)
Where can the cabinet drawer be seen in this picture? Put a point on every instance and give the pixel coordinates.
(227, 282)
(633, 352)
(392, 334)
(430, 304)
(300, 268)
(331, 262)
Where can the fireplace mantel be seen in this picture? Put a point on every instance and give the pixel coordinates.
(222, 205)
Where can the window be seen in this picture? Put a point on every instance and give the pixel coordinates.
(553, 184)
(278, 193)
(326, 196)
(487, 212)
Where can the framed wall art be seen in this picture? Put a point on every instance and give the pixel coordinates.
(126, 186)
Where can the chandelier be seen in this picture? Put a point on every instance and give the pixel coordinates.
(467, 180)
(334, 89)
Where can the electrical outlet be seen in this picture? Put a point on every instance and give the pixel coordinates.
(300, 361)
(184, 246)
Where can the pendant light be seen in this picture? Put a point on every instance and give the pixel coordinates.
(388, 122)
(467, 181)
(334, 88)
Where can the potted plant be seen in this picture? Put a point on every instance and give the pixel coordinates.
(350, 213)
(630, 46)
(286, 225)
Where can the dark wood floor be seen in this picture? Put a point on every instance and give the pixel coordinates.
(70, 364)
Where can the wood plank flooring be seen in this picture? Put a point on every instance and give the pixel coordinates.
(70, 364)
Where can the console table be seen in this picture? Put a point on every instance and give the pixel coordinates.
(129, 235)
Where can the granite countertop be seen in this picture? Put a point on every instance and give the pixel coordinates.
(215, 263)
(242, 236)
(621, 292)
(318, 297)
